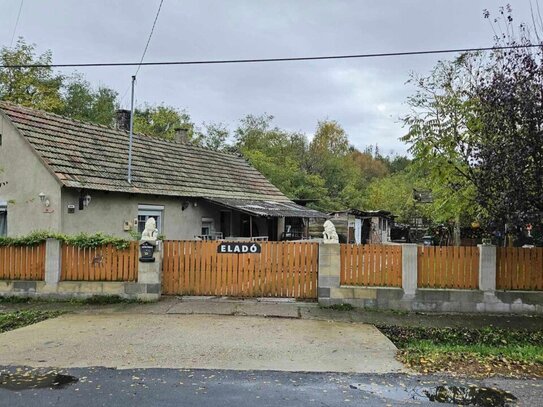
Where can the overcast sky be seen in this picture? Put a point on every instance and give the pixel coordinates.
(365, 96)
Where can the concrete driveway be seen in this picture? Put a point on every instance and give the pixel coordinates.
(200, 341)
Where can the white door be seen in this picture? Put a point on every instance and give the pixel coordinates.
(357, 230)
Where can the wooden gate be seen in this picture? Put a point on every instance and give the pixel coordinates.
(282, 269)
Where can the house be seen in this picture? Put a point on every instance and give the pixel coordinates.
(360, 227)
(69, 177)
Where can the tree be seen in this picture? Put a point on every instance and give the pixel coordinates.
(214, 136)
(37, 87)
(162, 121)
(279, 155)
(81, 102)
(477, 123)
(509, 152)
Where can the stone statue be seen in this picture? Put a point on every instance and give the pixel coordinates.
(330, 234)
(150, 233)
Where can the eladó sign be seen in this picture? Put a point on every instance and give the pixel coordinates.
(240, 248)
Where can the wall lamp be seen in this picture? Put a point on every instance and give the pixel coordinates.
(44, 199)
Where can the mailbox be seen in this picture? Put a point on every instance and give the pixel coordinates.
(147, 250)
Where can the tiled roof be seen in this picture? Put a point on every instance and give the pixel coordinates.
(268, 208)
(84, 155)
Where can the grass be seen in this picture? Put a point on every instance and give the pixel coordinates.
(94, 300)
(19, 319)
(338, 307)
(472, 352)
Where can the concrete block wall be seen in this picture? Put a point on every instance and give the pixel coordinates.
(411, 298)
(147, 287)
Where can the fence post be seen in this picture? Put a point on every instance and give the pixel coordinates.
(150, 278)
(52, 261)
(409, 270)
(487, 268)
(329, 271)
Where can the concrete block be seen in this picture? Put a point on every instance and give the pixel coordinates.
(328, 281)
(409, 268)
(497, 307)
(342, 292)
(113, 288)
(527, 297)
(365, 293)
(52, 261)
(432, 295)
(325, 301)
(6, 286)
(389, 294)
(94, 287)
(324, 292)
(473, 296)
(487, 268)
(134, 288)
(152, 288)
(26, 286)
(69, 287)
(329, 259)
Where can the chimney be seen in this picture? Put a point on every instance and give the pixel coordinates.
(122, 119)
(181, 135)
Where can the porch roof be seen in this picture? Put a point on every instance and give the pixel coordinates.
(268, 208)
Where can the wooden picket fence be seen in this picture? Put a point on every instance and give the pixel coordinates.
(22, 262)
(282, 269)
(371, 265)
(105, 263)
(519, 268)
(448, 267)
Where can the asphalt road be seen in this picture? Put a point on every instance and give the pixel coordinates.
(174, 387)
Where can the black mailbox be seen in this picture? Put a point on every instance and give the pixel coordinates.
(147, 250)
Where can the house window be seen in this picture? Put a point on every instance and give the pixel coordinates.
(3, 218)
(207, 226)
(150, 211)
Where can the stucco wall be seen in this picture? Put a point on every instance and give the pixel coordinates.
(108, 211)
(26, 177)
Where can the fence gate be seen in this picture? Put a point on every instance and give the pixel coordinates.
(281, 269)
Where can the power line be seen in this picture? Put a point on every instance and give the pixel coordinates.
(262, 60)
(150, 35)
(145, 49)
(16, 24)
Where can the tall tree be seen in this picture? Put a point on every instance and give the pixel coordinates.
(477, 124)
(82, 102)
(37, 87)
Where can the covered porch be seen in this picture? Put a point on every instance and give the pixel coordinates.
(256, 220)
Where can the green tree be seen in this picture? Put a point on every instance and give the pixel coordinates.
(163, 121)
(214, 136)
(82, 102)
(37, 87)
(279, 155)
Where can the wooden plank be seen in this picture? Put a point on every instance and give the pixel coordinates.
(539, 268)
(359, 272)
(274, 269)
(511, 268)
(527, 269)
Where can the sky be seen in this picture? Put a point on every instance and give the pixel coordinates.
(366, 96)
